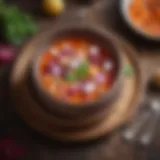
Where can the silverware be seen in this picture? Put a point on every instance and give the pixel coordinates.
(143, 127)
(146, 136)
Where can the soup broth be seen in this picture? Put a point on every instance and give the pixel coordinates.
(77, 70)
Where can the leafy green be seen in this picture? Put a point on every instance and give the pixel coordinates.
(82, 71)
(71, 77)
(128, 70)
(79, 73)
(17, 25)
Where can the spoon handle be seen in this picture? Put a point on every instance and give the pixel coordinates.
(131, 133)
(148, 133)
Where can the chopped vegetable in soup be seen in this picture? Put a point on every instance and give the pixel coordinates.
(77, 70)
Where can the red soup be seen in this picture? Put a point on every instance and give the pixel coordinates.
(77, 70)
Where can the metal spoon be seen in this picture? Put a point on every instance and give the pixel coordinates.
(143, 126)
(131, 133)
(146, 136)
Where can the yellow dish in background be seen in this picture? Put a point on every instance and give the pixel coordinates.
(54, 7)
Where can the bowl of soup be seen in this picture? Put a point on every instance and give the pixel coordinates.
(77, 71)
(143, 16)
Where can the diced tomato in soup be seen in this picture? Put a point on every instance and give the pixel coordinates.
(77, 70)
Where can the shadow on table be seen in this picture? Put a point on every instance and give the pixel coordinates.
(38, 144)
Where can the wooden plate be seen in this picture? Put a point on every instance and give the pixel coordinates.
(30, 111)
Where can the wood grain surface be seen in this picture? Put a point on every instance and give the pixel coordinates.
(109, 148)
(125, 106)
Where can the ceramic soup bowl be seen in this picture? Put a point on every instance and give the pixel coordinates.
(76, 70)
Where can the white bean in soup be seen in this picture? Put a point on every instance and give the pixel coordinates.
(77, 69)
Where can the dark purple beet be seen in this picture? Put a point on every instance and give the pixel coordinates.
(95, 59)
(10, 150)
(7, 53)
(53, 68)
(65, 71)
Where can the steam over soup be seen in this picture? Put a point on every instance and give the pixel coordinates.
(77, 70)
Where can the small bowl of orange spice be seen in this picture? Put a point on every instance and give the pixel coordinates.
(143, 16)
(78, 71)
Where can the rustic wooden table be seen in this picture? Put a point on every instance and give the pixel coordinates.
(112, 147)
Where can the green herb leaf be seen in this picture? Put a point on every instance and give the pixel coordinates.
(17, 25)
(128, 70)
(70, 77)
(82, 71)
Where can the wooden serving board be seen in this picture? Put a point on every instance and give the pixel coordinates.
(40, 147)
(33, 114)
